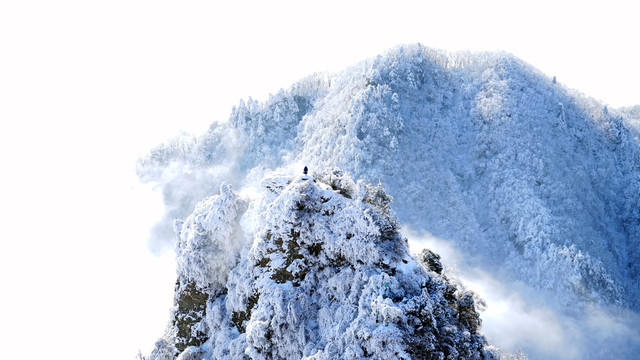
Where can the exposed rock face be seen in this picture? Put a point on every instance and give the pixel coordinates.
(189, 311)
(431, 260)
(323, 276)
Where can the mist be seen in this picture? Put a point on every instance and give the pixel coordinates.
(182, 187)
(517, 317)
(186, 169)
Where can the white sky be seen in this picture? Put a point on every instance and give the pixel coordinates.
(88, 86)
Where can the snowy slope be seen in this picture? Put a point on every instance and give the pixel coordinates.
(312, 269)
(537, 181)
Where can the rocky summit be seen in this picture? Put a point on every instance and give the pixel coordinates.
(313, 268)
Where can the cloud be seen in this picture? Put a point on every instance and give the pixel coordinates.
(520, 317)
(182, 185)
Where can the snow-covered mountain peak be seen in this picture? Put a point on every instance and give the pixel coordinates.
(530, 181)
(324, 276)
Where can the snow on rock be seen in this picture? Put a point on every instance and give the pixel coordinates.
(209, 242)
(323, 276)
(208, 247)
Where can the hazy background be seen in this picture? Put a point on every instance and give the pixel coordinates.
(87, 87)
